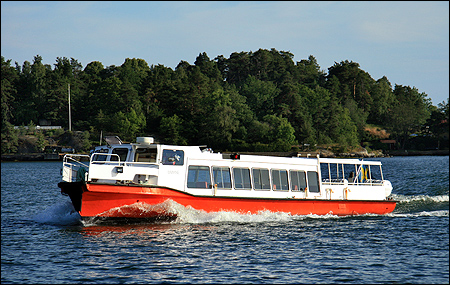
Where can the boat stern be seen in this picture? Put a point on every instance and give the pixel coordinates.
(74, 190)
(387, 187)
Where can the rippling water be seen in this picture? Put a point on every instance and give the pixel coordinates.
(44, 241)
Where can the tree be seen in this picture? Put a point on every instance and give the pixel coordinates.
(310, 73)
(220, 119)
(260, 96)
(208, 67)
(172, 128)
(33, 102)
(354, 83)
(281, 134)
(237, 68)
(127, 124)
(9, 77)
(437, 125)
(409, 112)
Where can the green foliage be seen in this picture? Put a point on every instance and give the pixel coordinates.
(10, 138)
(41, 142)
(171, 127)
(408, 113)
(129, 125)
(260, 95)
(280, 134)
(251, 101)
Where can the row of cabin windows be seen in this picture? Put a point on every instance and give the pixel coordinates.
(169, 157)
(200, 177)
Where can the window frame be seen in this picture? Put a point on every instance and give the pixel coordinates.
(199, 169)
(277, 175)
(169, 157)
(298, 181)
(246, 180)
(222, 170)
(268, 186)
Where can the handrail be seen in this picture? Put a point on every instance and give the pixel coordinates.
(71, 166)
(69, 156)
(105, 154)
(327, 181)
(338, 181)
(119, 162)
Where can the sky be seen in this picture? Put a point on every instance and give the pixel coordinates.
(408, 42)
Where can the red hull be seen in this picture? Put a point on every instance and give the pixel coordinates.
(112, 200)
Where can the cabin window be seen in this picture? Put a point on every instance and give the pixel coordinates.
(313, 181)
(199, 177)
(261, 179)
(121, 152)
(100, 157)
(242, 178)
(222, 177)
(145, 155)
(279, 179)
(172, 157)
(298, 180)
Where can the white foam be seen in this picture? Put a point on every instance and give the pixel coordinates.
(59, 214)
(439, 213)
(420, 198)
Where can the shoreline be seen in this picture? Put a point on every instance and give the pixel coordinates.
(326, 154)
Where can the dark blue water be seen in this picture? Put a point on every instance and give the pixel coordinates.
(43, 240)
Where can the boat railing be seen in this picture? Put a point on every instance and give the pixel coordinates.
(108, 168)
(74, 169)
(334, 181)
(371, 182)
(117, 162)
(374, 181)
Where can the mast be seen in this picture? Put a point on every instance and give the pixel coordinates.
(70, 119)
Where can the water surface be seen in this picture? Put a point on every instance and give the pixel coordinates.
(44, 241)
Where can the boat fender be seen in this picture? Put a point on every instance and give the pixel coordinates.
(346, 190)
(329, 190)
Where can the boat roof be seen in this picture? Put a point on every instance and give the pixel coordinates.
(198, 153)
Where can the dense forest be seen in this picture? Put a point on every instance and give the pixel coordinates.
(251, 101)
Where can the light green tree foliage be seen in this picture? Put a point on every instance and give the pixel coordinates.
(129, 124)
(171, 129)
(280, 133)
(348, 135)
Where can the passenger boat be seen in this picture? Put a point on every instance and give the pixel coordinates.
(136, 180)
